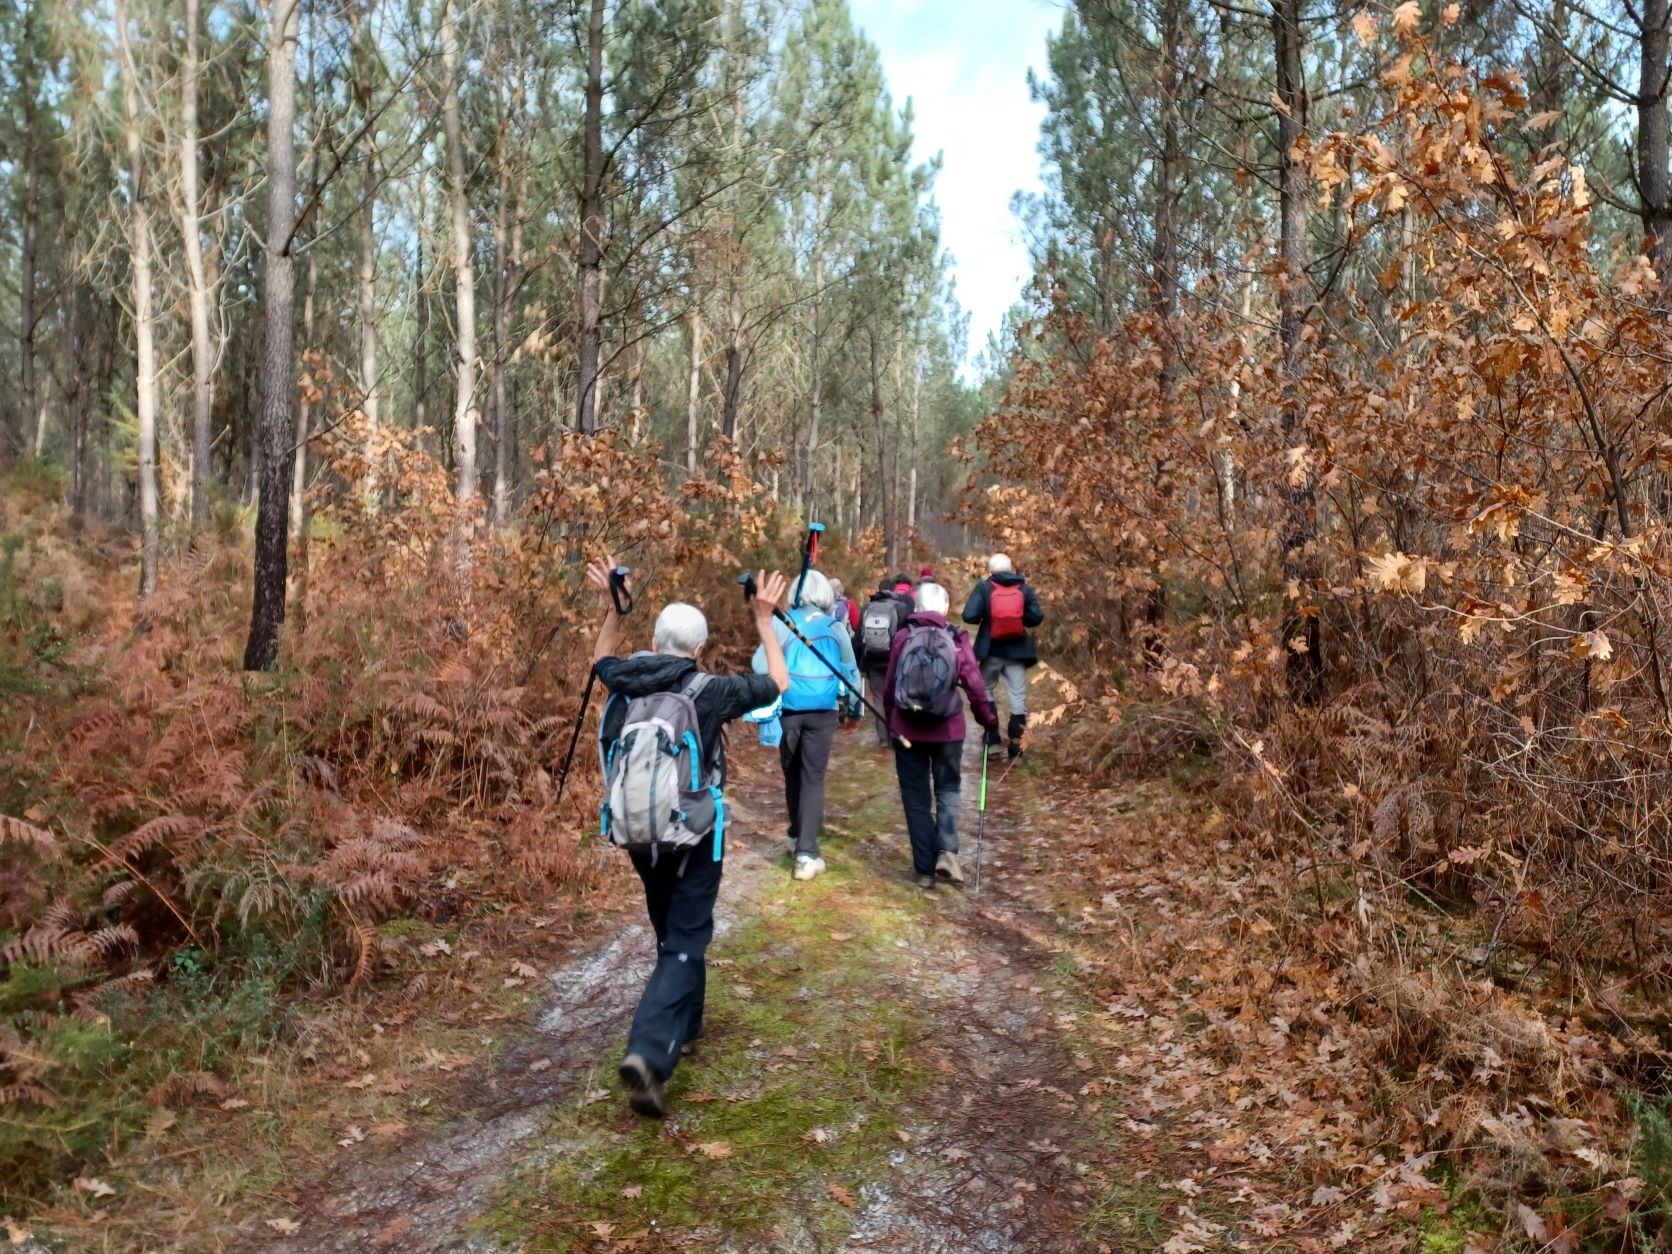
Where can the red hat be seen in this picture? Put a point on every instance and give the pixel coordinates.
(928, 572)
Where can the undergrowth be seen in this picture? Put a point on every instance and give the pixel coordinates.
(791, 1103)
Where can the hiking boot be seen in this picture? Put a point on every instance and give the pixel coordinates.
(926, 882)
(1014, 751)
(808, 867)
(644, 1087)
(946, 866)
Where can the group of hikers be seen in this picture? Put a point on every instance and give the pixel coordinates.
(823, 660)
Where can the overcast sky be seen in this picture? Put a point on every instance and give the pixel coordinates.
(965, 63)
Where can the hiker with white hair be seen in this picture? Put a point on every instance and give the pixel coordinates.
(811, 706)
(664, 759)
(930, 660)
(1006, 610)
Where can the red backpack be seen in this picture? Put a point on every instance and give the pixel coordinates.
(1005, 608)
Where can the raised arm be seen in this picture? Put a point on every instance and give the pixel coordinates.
(613, 628)
(769, 591)
(975, 609)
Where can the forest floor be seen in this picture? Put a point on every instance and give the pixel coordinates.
(884, 1069)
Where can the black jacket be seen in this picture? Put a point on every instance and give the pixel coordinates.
(878, 662)
(976, 611)
(724, 698)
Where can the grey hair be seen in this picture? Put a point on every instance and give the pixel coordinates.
(681, 630)
(1000, 564)
(933, 599)
(836, 587)
(815, 591)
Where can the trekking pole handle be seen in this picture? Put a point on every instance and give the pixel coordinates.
(620, 595)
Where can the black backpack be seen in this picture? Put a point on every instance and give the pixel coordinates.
(926, 676)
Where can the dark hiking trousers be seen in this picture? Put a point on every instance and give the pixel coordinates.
(873, 689)
(929, 779)
(681, 910)
(804, 754)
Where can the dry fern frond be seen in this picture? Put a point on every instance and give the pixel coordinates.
(148, 836)
(27, 1094)
(17, 832)
(365, 942)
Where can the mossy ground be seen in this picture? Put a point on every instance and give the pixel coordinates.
(791, 1103)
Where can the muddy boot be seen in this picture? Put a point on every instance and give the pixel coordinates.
(946, 866)
(644, 1087)
(1018, 725)
(925, 882)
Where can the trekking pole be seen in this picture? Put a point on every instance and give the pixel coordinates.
(981, 811)
(748, 582)
(809, 558)
(622, 598)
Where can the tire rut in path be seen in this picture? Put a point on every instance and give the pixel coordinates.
(993, 1164)
(423, 1193)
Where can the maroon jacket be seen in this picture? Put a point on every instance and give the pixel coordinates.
(969, 679)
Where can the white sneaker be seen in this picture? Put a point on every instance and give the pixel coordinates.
(808, 867)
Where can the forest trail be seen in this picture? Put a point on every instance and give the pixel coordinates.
(885, 1069)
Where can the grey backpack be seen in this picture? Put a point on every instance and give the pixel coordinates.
(658, 792)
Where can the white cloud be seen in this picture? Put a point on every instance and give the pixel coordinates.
(964, 64)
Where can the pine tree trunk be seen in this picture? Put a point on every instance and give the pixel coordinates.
(366, 276)
(815, 404)
(28, 261)
(501, 314)
(1654, 180)
(464, 270)
(278, 350)
(1301, 634)
(693, 395)
(197, 282)
(888, 537)
(421, 329)
(1165, 249)
(592, 228)
(145, 351)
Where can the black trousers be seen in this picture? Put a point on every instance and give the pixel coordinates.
(804, 753)
(873, 689)
(679, 893)
(930, 776)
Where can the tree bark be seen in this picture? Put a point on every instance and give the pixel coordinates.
(501, 312)
(1654, 180)
(693, 395)
(366, 277)
(464, 270)
(1165, 245)
(592, 227)
(1301, 634)
(278, 350)
(815, 400)
(421, 329)
(145, 350)
(888, 537)
(28, 261)
(197, 282)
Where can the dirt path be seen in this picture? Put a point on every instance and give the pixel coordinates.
(886, 1069)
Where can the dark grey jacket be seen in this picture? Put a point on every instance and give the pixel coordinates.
(976, 611)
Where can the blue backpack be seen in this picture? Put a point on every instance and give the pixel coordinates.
(813, 686)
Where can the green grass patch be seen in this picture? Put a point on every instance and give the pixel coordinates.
(797, 1087)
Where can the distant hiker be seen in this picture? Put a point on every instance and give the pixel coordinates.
(845, 609)
(884, 614)
(926, 575)
(1007, 610)
(906, 588)
(811, 704)
(664, 761)
(930, 661)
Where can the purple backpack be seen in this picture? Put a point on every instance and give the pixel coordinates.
(926, 676)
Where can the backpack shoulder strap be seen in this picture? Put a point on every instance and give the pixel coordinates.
(696, 684)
